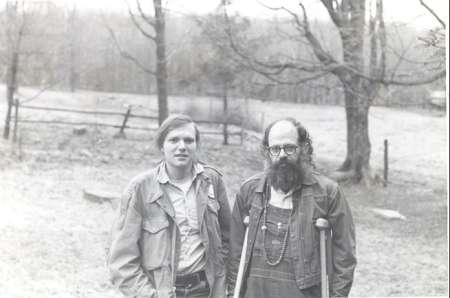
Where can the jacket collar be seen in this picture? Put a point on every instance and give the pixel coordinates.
(163, 177)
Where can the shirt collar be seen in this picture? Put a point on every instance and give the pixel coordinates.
(163, 177)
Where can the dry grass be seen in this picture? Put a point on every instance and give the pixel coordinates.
(53, 241)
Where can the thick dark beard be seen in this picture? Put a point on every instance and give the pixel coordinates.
(285, 174)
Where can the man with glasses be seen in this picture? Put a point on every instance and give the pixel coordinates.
(282, 257)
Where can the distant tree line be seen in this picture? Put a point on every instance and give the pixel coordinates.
(355, 59)
(71, 50)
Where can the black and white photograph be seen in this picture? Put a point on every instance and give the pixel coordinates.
(224, 148)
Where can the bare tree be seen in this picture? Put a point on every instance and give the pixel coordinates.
(154, 29)
(14, 24)
(360, 80)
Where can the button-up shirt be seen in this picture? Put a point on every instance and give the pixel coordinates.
(192, 257)
(280, 199)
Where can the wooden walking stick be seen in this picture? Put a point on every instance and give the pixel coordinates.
(323, 225)
(240, 275)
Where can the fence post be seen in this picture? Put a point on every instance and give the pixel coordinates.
(16, 119)
(124, 123)
(225, 131)
(242, 132)
(386, 163)
(262, 121)
(225, 112)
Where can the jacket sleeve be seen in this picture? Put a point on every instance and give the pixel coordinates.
(343, 244)
(224, 217)
(240, 211)
(123, 261)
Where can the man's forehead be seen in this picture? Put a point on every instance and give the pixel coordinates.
(283, 130)
(187, 128)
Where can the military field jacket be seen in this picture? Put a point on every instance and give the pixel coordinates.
(140, 258)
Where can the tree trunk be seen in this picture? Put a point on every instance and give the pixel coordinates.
(358, 143)
(161, 64)
(72, 73)
(356, 97)
(72, 32)
(225, 112)
(10, 89)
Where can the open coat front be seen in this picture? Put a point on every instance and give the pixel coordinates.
(317, 197)
(144, 236)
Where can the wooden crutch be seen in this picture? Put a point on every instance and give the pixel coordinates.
(323, 225)
(240, 275)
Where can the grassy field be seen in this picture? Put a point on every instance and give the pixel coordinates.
(53, 241)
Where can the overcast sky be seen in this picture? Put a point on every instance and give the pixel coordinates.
(408, 11)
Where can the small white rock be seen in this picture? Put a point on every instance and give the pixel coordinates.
(388, 214)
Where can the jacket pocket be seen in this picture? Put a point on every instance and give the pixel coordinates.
(155, 243)
(155, 225)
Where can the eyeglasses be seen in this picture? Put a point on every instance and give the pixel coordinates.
(288, 149)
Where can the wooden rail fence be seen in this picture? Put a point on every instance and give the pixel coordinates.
(124, 125)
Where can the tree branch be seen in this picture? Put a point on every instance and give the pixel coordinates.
(335, 17)
(138, 26)
(415, 82)
(127, 55)
(272, 69)
(433, 13)
(295, 82)
(393, 81)
(144, 16)
(323, 56)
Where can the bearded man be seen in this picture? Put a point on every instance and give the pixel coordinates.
(282, 258)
